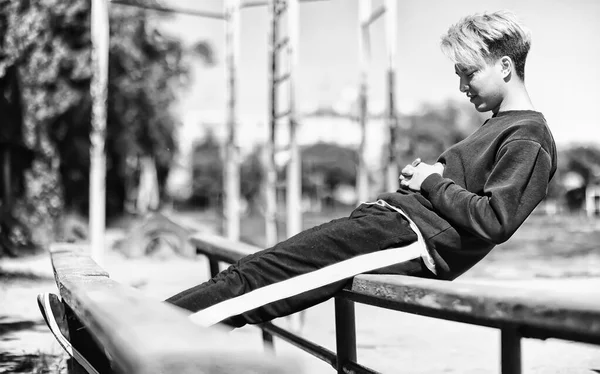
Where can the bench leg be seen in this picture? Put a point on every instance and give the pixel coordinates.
(510, 356)
(268, 342)
(345, 332)
(81, 340)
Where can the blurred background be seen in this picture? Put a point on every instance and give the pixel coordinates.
(167, 114)
(167, 104)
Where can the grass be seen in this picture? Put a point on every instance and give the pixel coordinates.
(33, 363)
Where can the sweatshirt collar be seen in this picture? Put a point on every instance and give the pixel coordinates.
(508, 112)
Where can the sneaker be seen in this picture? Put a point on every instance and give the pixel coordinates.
(53, 311)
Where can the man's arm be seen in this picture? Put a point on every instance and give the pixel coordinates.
(516, 185)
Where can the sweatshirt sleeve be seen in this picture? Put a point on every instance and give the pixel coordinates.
(516, 184)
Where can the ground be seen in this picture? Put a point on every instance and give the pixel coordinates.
(556, 253)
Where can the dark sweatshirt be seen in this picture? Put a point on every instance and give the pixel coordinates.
(492, 181)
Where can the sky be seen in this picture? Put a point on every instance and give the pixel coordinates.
(562, 72)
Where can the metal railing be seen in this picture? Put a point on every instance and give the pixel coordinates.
(518, 313)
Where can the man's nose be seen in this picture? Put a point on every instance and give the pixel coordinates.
(463, 86)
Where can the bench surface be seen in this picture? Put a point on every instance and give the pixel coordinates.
(575, 313)
(140, 335)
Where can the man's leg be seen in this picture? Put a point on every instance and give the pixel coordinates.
(370, 228)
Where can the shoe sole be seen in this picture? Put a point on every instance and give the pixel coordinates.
(45, 302)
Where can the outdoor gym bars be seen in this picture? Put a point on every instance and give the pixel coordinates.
(367, 16)
(100, 47)
(99, 94)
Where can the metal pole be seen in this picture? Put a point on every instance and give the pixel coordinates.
(189, 12)
(99, 93)
(345, 332)
(510, 355)
(294, 193)
(362, 178)
(271, 172)
(391, 19)
(232, 177)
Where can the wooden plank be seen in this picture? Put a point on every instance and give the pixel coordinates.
(220, 248)
(140, 335)
(573, 312)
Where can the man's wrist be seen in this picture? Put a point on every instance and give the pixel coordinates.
(430, 182)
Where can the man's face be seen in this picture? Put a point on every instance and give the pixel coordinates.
(482, 85)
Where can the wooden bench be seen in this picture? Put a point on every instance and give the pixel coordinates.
(124, 331)
(515, 311)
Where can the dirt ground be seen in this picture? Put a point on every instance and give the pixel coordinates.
(388, 341)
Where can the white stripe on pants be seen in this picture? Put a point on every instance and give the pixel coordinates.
(305, 282)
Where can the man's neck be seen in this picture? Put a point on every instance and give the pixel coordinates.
(517, 98)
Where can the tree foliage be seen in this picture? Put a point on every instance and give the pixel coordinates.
(45, 47)
(583, 160)
(435, 128)
(325, 167)
(207, 173)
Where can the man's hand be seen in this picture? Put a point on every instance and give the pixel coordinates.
(414, 174)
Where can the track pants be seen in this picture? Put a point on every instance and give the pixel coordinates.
(289, 268)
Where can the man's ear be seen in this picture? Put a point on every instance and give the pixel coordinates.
(506, 66)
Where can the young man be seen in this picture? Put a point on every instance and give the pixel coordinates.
(445, 217)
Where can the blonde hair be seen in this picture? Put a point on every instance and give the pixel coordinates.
(483, 38)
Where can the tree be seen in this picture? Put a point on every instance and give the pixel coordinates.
(583, 160)
(434, 129)
(45, 49)
(251, 178)
(325, 167)
(207, 173)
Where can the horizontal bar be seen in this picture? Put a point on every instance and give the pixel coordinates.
(283, 78)
(306, 345)
(283, 114)
(252, 4)
(353, 367)
(189, 12)
(527, 331)
(283, 42)
(313, 349)
(374, 16)
(280, 10)
(283, 148)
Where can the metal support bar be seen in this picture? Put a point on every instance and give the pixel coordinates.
(281, 9)
(282, 78)
(283, 115)
(316, 350)
(270, 184)
(268, 341)
(213, 264)
(374, 16)
(81, 339)
(252, 4)
(190, 12)
(99, 94)
(293, 175)
(231, 174)
(282, 43)
(345, 332)
(364, 52)
(283, 148)
(510, 354)
(392, 120)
